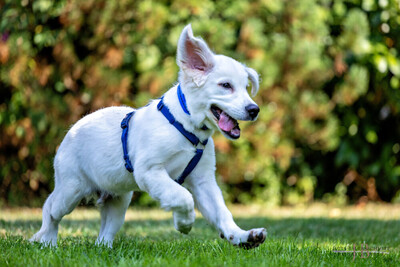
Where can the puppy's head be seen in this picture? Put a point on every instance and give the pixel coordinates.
(215, 86)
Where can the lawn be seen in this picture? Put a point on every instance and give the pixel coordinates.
(301, 236)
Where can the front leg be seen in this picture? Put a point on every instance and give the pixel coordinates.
(170, 194)
(208, 199)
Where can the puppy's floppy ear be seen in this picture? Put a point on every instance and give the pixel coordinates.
(194, 57)
(253, 77)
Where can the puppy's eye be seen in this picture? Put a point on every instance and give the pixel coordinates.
(226, 85)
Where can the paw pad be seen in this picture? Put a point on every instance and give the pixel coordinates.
(256, 237)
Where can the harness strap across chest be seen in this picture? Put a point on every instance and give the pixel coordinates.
(189, 136)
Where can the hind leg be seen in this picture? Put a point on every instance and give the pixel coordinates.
(112, 217)
(47, 224)
(60, 202)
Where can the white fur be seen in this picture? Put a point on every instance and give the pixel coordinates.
(90, 158)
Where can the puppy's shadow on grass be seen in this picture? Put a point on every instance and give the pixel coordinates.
(338, 230)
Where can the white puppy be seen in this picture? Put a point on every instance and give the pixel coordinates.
(211, 95)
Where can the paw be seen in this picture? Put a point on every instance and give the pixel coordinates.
(35, 238)
(255, 238)
(183, 221)
(45, 240)
(104, 243)
(183, 228)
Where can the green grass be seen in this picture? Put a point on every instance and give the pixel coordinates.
(302, 236)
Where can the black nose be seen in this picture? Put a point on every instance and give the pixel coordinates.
(253, 110)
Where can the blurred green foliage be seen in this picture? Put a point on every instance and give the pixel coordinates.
(329, 125)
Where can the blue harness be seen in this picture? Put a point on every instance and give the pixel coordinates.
(167, 114)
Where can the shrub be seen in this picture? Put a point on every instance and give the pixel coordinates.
(329, 121)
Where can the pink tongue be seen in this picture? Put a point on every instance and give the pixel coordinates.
(225, 122)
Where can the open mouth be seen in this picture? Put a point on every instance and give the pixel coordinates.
(226, 123)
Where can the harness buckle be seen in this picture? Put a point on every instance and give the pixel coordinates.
(128, 166)
(200, 146)
(124, 123)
